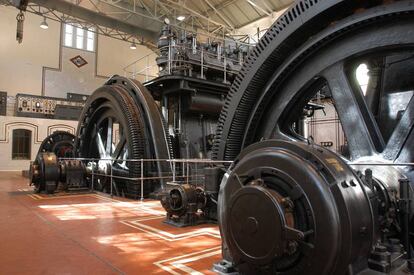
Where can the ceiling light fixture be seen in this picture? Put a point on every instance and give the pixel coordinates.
(44, 24)
(180, 18)
(133, 46)
(252, 3)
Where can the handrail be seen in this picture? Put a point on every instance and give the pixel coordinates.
(140, 180)
(147, 67)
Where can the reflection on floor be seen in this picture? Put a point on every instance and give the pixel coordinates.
(95, 234)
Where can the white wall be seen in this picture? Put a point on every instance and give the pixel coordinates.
(69, 78)
(107, 65)
(21, 64)
(40, 128)
(325, 126)
(41, 66)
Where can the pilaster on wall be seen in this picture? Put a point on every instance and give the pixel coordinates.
(41, 66)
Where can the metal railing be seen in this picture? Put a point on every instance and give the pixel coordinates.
(146, 65)
(143, 66)
(178, 170)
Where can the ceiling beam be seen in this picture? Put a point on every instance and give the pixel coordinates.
(264, 16)
(222, 5)
(96, 18)
(257, 6)
(181, 5)
(220, 14)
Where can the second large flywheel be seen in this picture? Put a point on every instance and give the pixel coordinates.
(116, 130)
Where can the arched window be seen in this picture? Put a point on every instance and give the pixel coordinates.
(22, 144)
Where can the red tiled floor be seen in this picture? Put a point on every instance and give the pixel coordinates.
(94, 234)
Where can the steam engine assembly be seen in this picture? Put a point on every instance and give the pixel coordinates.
(171, 116)
(285, 205)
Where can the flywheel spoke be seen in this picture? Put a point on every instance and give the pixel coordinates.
(398, 140)
(362, 133)
(119, 148)
(108, 144)
(101, 147)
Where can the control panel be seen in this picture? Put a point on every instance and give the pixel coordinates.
(45, 107)
(3, 103)
(77, 97)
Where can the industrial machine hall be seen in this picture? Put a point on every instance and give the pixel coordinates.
(230, 137)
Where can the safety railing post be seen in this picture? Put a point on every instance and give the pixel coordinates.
(142, 179)
(146, 69)
(225, 69)
(93, 168)
(183, 167)
(188, 170)
(173, 165)
(112, 183)
(202, 62)
(169, 58)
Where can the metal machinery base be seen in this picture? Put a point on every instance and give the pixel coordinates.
(188, 219)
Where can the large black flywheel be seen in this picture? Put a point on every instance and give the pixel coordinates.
(293, 61)
(44, 171)
(315, 48)
(114, 129)
(61, 143)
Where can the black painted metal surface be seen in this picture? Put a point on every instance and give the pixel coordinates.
(314, 46)
(295, 208)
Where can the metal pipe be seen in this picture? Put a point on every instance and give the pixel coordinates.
(154, 160)
(111, 182)
(93, 164)
(225, 69)
(142, 180)
(405, 214)
(382, 164)
(202, 62)
(173, 164)
(169, 57)
(137, 179)
(188, 170)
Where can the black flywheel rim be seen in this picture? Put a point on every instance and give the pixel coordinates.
(357, 35)
(111, 130)
(324, 59)
(59, 142)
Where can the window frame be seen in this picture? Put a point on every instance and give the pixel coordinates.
(86, 35)
(21, 140)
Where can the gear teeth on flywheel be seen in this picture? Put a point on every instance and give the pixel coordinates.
(275, 46)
